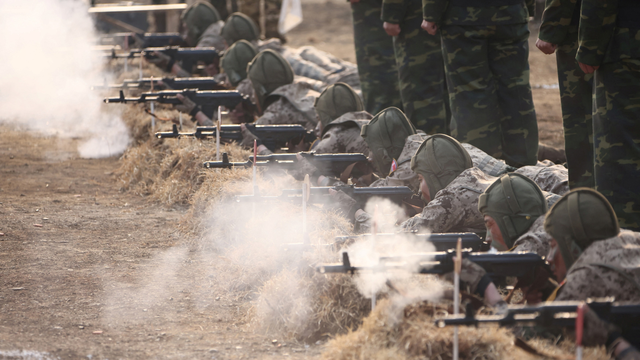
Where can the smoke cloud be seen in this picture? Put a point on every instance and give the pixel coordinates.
(48, 68)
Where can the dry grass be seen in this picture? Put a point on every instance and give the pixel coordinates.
(170, 171)
(397, 332)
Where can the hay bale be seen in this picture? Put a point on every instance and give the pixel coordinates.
(399, 332)
(170, 171)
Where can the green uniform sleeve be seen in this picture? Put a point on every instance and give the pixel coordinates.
(531, 7)
(556, 20)
(433, 10)
(597, 25)
(393, 11)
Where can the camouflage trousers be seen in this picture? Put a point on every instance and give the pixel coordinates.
(576, 89)
(616, 130)
(375, 58)
(423, 86)
(487, 72)
(251, 8)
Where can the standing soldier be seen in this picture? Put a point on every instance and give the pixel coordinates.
(375, 57)
(423, 87)
(609, 41)
(559, 34)
(486, 50)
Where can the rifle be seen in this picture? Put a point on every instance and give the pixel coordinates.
(200, 83)
(152, 39)
(273, 136)
(522, 265)
(208, 100)
(442, 241)
(557, 314)
(327, 164)
(321, 195)
(188, 56)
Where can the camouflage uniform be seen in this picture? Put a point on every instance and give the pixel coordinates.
(560, 27)
(610, 38)
(293, 106)
(454, 208)
(212, 37)
(486, 61)
(375, 57)
(251, 8)
(309, 62)
(535, 239)
(342, 135)
(420, 67)
(549, 176)
(598, 272)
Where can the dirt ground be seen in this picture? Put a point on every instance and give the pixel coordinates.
(75, 253)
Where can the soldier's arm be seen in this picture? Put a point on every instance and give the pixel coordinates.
(556, 20)
(597, 24)
(393, 11)
(440, 215)
(531, 7)
(433, 10)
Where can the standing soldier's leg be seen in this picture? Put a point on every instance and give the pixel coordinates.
(576, 90)
(421, 74)
(475, 115)
(616, 131)
(509, 62)
(375, 58)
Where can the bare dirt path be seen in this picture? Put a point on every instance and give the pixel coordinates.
(84, 268)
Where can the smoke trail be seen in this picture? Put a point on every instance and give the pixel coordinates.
(48, 67)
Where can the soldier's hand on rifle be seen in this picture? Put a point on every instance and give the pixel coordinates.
(304, 168)
(161, 60)
(188, 106)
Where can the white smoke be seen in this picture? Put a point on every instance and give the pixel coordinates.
(368, 253)
(48, 68)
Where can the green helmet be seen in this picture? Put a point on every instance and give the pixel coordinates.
(197, 19)
(515, 202)
(235, 60)
(335, 101)
(267, 72)
(440, 159)
(385, 135)
(579, 218)
(239, 27)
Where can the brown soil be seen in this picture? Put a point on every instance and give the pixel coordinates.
(79, 259)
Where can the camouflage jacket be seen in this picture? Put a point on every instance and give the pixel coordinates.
(342, 135)
(294, 106)
(557, 18)
(535, 239)
(212, 37)
(454, 208)
(550, 177)
(608, 267)
(467, 12)
(609, 31)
